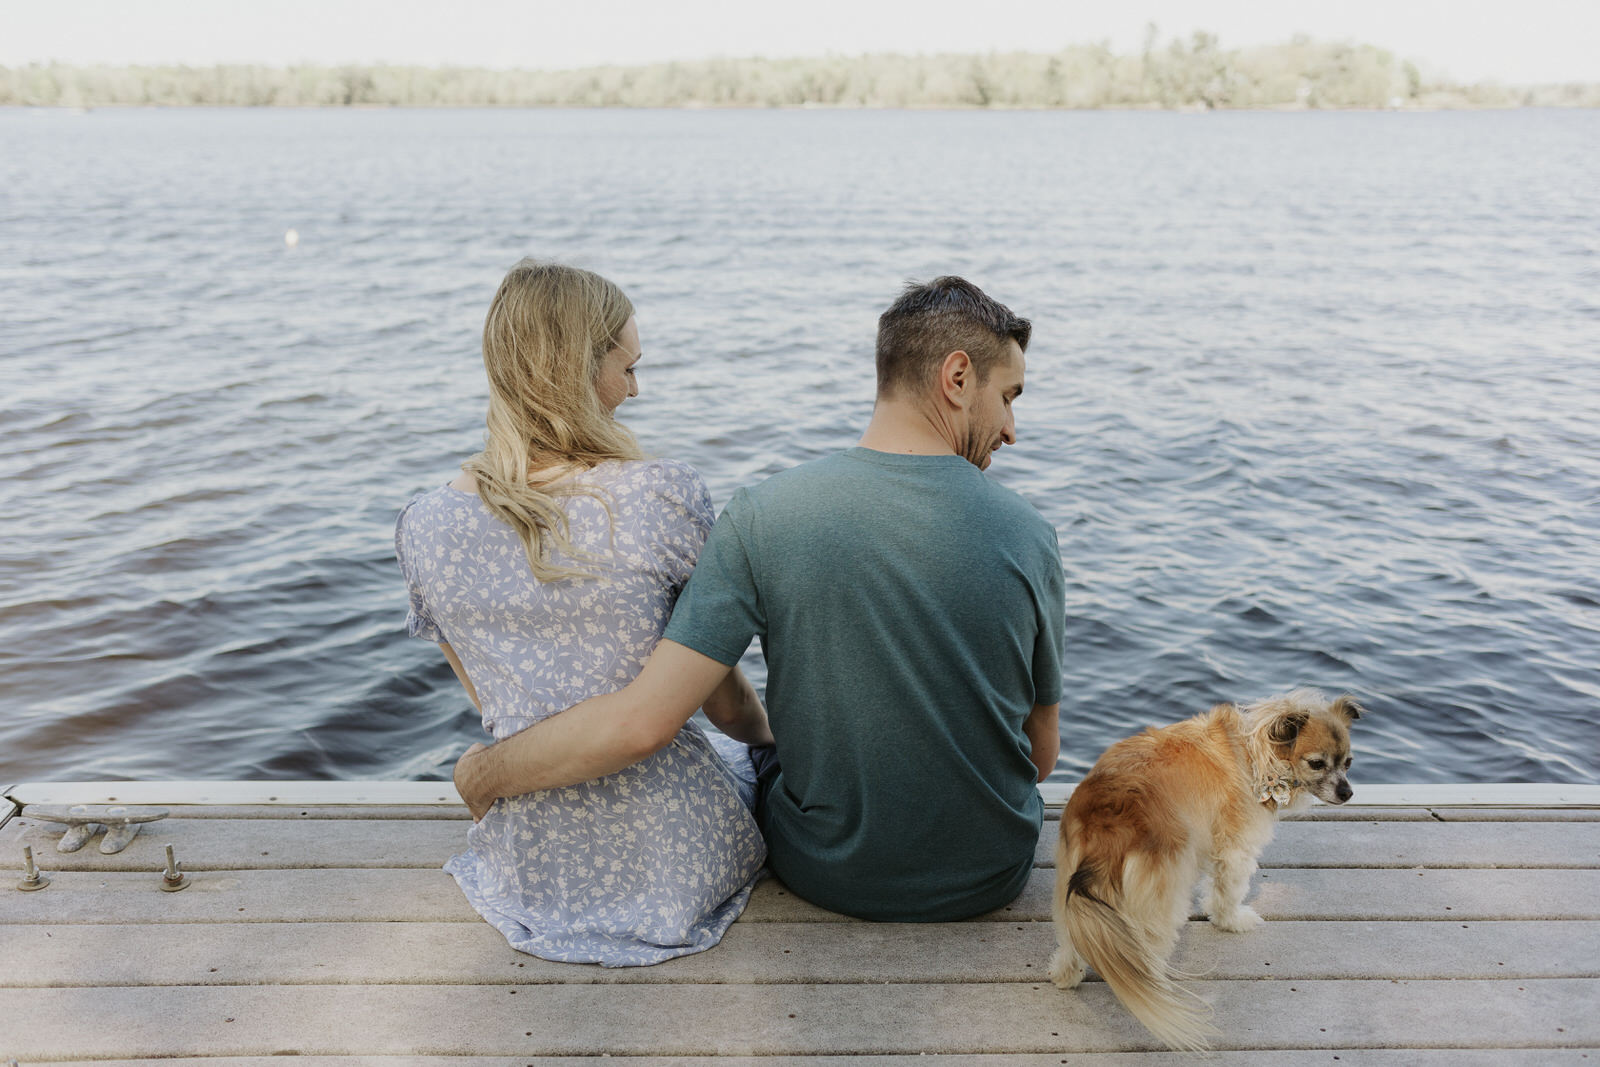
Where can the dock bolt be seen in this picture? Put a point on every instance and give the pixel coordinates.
(32, 877)
(174, 879)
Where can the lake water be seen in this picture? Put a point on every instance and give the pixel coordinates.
(1313, 399)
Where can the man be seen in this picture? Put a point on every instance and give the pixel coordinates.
(910, 612)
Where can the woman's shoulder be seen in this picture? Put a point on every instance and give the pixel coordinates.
(444, 496)
(444, 504)
(667, 488)
(671, 477)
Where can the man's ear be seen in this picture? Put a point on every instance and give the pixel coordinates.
(956, 375)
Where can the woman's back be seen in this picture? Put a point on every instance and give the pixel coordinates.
(534, 648)
(649, 863)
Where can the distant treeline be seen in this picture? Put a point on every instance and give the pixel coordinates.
(1196, 73)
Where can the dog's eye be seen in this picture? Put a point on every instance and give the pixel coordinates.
(1347, 762)
(1317, 764)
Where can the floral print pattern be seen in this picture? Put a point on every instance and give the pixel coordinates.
(637, 867)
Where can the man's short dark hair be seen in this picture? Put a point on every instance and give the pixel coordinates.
(931, 321)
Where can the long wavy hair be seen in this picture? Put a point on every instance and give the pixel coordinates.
(546, 333)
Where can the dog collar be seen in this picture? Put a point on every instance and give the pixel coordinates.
(1277, 789)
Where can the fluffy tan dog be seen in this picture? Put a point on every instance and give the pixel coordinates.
(1162, 808)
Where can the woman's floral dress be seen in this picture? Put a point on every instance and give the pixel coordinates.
(637, 867)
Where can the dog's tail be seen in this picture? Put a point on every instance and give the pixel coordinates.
(1132, 958)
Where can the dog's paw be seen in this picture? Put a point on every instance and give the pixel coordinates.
(1240, 920)
(1066, 969)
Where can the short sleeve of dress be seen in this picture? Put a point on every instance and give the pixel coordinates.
(686, 520)
(419, 621)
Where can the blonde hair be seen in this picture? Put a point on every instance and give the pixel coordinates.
(547, 331)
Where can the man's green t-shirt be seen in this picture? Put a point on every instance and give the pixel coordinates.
(911, 614)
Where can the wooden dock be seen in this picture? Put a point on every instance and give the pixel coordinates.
(1427, 925)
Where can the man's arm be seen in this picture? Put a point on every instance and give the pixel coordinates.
(1043, 729)
(600, 736)
(736, 710)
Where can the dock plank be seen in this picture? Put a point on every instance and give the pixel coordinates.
(259, 844)
(768, 953)
(1493, 1057)
(204, 792)
(1573, 814)
(347, 812)
(1451, 845)
(689, 1020)
(239, 844)
(431, 896)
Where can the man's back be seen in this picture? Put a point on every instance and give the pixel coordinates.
(910, 613)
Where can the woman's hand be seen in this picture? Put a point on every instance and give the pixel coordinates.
(477, 803)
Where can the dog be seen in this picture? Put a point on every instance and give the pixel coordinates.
(1162, 808)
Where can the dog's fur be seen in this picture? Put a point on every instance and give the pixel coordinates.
(1162, 808)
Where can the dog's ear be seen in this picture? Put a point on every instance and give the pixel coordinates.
(1286, 727)
(1347, 708)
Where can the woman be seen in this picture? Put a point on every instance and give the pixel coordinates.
(546, 573)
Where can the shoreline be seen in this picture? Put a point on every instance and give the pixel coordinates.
(1196, 73)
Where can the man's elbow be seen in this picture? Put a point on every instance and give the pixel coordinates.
(640, 736)
(1044, 768)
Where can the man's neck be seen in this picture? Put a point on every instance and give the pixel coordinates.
(905, 428)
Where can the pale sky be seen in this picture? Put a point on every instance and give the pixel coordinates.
(1514, 41)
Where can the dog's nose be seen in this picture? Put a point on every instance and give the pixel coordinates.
(1344, 792)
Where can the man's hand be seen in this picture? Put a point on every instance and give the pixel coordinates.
(477, 802)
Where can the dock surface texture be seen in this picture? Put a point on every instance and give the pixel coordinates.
(1396, 935)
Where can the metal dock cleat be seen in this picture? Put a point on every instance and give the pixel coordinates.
(85, 820)
(173, 879)
(33, 878)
